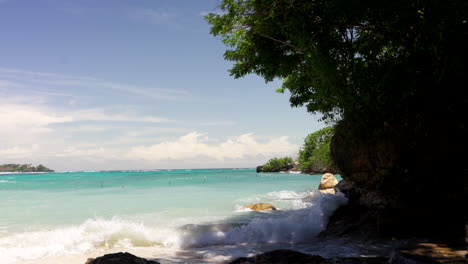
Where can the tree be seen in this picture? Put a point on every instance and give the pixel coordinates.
(377, 64)
(41, 167)
(391, 76)
(314, 156)
(278, 164)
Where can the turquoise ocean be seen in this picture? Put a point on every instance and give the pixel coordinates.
(174, 216)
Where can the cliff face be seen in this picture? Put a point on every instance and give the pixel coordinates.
(401, 184)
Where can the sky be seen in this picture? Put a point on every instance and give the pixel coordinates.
(141, 84)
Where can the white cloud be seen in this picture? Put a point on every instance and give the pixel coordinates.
(99, 114)
(154, 131)
(25, 118)
(191, 146)
(33, 81)
(19, 152)
(53, 130)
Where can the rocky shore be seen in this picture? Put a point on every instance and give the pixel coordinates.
(420, 253)
(349, 221)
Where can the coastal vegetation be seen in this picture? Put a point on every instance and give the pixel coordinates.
(278, 164)
(23, 168)
(314, 156)
(387, 75)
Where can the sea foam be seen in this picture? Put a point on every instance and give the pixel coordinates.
(300, 223)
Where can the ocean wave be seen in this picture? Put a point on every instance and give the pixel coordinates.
(91, 235)
(300, 224)
(290, 226)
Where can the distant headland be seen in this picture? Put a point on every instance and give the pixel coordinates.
(24, 168)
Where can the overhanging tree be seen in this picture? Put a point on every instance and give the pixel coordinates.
(392, 73)
(378, 64)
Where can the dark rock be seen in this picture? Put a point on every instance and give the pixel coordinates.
(285, 256)
(315, 170)
(259, 169)
(396, 187)
(120, 258)
(430, 253)
(281, 256)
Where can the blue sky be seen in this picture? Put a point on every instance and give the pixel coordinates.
(141, 84)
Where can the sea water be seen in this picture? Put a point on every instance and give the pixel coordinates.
(178, 216)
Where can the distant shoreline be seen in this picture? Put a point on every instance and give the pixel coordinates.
(124, 170)
(23, 168)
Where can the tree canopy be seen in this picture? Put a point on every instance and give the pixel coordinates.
(314, 156)
(376, 64)
(278, 164)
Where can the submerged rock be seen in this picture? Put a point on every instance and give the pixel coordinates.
(120, 258)
(327, 183)
(260, 207)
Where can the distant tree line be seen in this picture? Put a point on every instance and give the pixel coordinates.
(24, 168)
(314, 155)
(278, 164)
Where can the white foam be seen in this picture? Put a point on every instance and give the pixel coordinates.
(292, 226)
(284, 200)
(91, 235)
(300, 225)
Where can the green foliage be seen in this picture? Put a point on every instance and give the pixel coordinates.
(315, 153)
(278, 164)
(23, 168)
(376, 64)
(41, 167)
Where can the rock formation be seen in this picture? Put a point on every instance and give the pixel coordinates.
(400, 186)
(120, 258)
(259, 169)
(327, 183)
(260, 207)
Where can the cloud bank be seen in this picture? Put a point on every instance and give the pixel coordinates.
(192, 145)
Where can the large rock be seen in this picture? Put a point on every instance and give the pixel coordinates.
(401, 184)
(327, 183)
(120, 258)
(260, 207)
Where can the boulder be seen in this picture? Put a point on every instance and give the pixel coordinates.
(327, 183)
(120, 258)
(329, 190)
(260, 207)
